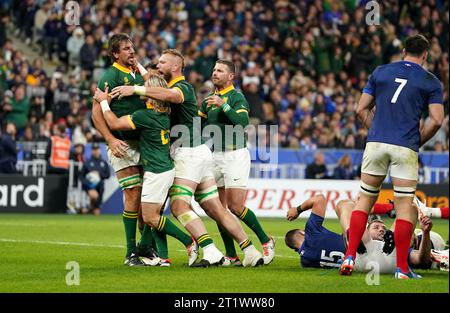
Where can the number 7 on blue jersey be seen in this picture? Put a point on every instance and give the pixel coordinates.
(399, 89)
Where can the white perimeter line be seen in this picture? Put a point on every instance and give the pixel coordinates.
(85, 244)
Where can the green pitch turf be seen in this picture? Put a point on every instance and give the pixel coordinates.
(36, 248)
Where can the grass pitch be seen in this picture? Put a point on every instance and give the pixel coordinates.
(36, 248)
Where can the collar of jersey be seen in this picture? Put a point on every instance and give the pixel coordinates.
(175, 80)
(299, 251)
(224, 91)
(121, 68)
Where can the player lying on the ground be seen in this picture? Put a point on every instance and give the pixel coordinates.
(388, 208)
(320, 247)
(155, 156)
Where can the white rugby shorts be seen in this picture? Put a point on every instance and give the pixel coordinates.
(131, 158)
(232, 168)
(378, 157)
(156, 186)
(194, 164)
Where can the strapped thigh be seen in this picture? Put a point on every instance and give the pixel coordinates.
(131, 181)
(404, 191)
(369, 190)
(178, 192)
(206, 194)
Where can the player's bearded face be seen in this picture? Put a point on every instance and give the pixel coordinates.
(377, 231)
(126, 54)
(164, 67)
(220, 75)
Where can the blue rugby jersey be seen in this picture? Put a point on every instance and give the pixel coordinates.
(402, 91)
(321, 247)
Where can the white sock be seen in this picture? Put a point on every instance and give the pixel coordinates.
(433, 212)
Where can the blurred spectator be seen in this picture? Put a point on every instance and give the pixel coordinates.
(77, 154)
(74, 44)
(344, 168)
(317, 169)
(8, 149)
(58, 151)
(95, 171)
(40, 18)
(301, 64)
(17, 109)
(88, 55)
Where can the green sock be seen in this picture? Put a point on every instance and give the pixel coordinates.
(228, 242)
(245, 244)
(130, 222)
(146, 237)
(204, 240)
(165, 225)
(161, 243)
(249, 218)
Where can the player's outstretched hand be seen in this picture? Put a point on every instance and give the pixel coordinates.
(118, 147)
(122, 91)
(292, 214)
(425, 223)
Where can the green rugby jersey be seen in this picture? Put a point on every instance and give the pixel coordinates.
(154, 139)
(185, 113)
(117, 75)
(237, 115)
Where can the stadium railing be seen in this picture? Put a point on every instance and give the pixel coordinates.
(77, 198)
(432, 175)
(32, 167)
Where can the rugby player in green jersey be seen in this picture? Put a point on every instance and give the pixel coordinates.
(193, 163)
(154, 125)
(228, 109)
(122, 146)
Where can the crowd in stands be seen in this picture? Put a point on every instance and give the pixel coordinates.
(302, 64)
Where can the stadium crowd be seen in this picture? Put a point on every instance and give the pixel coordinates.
(302, 64)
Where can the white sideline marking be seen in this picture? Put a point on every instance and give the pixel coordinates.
(21, 224)
(100, 245)
(62, 243)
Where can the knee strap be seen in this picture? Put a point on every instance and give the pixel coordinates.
(187, 217)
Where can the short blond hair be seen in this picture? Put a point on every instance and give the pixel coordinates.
(176, 53)
(157, 81)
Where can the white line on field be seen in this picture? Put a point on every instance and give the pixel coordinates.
(62, 243)
(21, 224)
(85, 244)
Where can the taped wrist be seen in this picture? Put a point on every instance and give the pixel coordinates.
(225, 107)
(139, 90)
(105, 106)
(141, 69)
